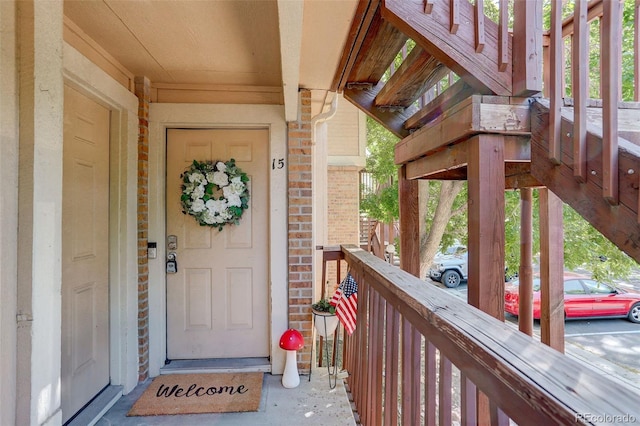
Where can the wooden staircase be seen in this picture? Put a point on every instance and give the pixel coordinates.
(492, 82)
(488, 122)
(618, 222)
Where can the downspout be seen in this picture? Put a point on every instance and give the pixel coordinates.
(322, 117)
(319, 180)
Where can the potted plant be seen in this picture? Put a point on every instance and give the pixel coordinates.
(324, 318)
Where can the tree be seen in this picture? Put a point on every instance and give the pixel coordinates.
(444, 203)
(584, 247)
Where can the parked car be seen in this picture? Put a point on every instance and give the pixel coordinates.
(450, 267)
(583, 298)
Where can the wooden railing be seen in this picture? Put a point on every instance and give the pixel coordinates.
(420, 355)
(575, 32)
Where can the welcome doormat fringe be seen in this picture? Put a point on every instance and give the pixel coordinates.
(200, 393)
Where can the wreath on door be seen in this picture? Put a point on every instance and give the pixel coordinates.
(215, 193)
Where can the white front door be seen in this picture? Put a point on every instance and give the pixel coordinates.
(85, 251)
(218, 301)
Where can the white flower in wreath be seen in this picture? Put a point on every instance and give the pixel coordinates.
(196, 177)
(221, 179)
(232, 196)
(215, 193)
(198, 205)
(198, 192)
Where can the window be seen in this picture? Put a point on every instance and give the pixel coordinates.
(573, 287)
(598, 288)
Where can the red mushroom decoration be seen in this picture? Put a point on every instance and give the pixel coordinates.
(291, 341)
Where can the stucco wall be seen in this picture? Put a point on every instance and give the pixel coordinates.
(40, 210)
(8, 210)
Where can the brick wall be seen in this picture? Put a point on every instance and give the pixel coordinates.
(143, 92)
(343, 204)
(300, 235)
(342, 214)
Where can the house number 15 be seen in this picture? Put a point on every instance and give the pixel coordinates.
(277, 163)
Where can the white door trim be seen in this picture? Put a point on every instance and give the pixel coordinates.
(82, 74)
(164, 116)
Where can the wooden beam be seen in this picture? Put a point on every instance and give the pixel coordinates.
(580, 56)
(503, 35)
(518, 175)
(556, 69)
(610, 53)
(392, 120)
(456, 52)
(551, 270)
(527, 48)
(417, 73)
(454, 16)
(525, 272)
(486, 224)
(380, 47)
(364, 16)
(479, 25)
(516, 148)
(409, 223)
(476, 114)
(438, 134)
(455, 94)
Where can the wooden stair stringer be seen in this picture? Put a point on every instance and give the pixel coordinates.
(618, 223)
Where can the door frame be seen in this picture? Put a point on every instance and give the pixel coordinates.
(193, 116)
(83, 75)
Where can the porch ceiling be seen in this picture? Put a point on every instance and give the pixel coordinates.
(262, 46)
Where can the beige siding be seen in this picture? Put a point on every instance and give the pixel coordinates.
(345, 131)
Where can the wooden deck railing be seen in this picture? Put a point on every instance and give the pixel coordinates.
(420, 355)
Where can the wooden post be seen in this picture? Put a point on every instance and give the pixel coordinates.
(486, 224)
(485, 173)
(610, 60)
(409, 224)
(525, 273)
(527, 48)
(551, 270)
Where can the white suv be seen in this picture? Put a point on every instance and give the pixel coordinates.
(450, 267)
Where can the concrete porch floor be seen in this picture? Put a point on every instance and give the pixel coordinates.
(311, 403)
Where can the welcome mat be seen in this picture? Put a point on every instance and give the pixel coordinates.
(200, 393)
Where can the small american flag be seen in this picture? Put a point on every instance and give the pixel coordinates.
(345, 299)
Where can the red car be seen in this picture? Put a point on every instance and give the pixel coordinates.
(583, 297)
